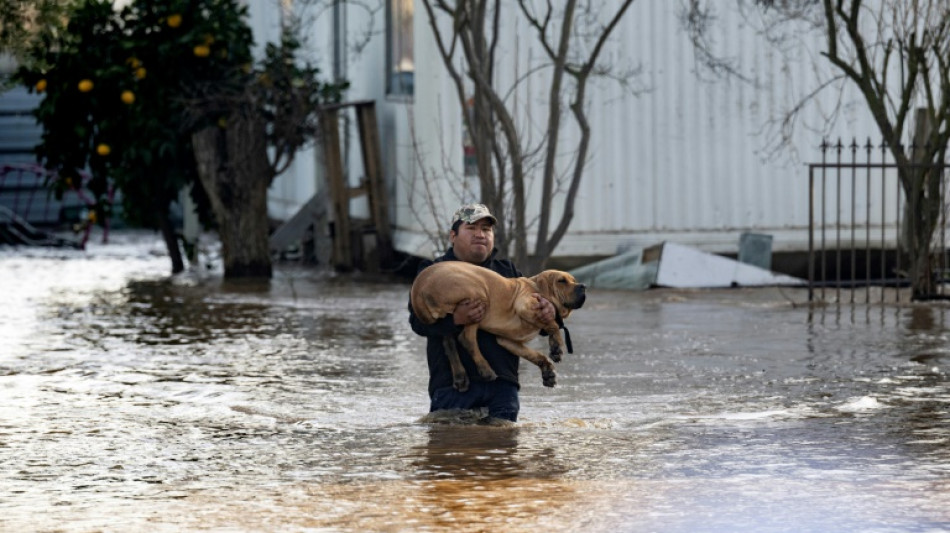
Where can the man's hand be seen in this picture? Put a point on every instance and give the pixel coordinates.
(543, 309)
(468, 312)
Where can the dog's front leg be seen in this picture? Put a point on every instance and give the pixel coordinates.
(548, 375)
(459, 376)
(555, 343)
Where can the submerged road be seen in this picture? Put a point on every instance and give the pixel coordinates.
(132, 401)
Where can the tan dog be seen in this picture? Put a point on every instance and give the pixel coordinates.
(509, 314)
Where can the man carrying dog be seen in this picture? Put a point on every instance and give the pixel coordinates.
(473, 240)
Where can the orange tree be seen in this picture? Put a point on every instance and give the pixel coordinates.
(125, 91)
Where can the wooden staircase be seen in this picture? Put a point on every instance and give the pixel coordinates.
(354, 243)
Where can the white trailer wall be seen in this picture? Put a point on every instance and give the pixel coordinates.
(326, 32)
(346, 40)
(685, 159)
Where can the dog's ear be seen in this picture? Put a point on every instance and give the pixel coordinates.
(547, 284)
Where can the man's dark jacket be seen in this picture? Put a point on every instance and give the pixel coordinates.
(503, 362)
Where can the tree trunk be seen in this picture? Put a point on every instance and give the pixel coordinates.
(171, 243)
(923, 217)
(924, 204)
(234, 170)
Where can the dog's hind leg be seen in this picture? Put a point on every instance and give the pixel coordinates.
(469, 340)
(548, 375)
(459, 376)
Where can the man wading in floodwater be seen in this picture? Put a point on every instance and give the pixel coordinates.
(473, 240)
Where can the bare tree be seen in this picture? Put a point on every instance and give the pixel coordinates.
(502, 150)
(897, 54)
(308, 14)
(425, 181)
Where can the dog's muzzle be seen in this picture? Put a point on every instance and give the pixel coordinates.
(580, 294)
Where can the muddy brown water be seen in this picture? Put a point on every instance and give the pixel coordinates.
(132, 401)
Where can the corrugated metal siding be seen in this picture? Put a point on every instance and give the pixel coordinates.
(683, 161)
(19, 132)
(23, 186)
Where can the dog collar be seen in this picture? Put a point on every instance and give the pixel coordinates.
(567, 334)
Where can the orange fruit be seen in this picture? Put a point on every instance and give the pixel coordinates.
(173, 21)
(134, 62)
(103, 149)
(140, 73)
(85, 86)
(201, 50)
(41, 85)
(128, 97)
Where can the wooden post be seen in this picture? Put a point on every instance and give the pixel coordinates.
(348, 233)
(339, 195)
(373, 164)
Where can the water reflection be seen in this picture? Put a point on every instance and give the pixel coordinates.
(477, 476)
(131, 401)
(927, 334)
(479, 452)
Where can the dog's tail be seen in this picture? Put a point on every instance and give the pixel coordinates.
(425, 307)
(429, 312)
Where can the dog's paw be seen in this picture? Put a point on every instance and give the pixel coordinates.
(488, 375)
(556, 354)
(460, 382)
(548, 378)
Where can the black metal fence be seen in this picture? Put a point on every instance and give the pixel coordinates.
(24, 191)
(856, 216)
(27, 203)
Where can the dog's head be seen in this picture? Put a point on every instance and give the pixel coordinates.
(562, 290)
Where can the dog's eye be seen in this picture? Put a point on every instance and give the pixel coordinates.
(562, 280)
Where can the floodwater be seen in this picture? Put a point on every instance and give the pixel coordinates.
(131, 401)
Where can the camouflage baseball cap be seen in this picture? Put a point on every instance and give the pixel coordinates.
(472, 213)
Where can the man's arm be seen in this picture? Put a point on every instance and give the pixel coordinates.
(544, 310)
